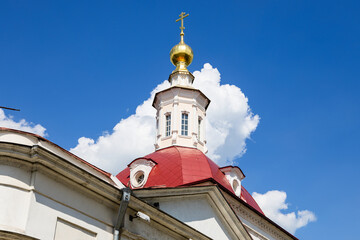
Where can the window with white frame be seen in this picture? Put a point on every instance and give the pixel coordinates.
(167, 125)
(199, 129)
(184, 124)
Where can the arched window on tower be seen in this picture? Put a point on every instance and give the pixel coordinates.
(199, 129)
(157, 125)
(184, 124)
(167, 125)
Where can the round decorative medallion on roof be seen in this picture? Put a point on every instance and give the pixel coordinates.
(181, 55)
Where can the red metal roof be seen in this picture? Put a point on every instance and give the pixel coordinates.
(181, 166)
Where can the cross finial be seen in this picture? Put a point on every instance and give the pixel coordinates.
(182, 16)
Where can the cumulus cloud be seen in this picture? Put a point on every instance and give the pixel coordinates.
(132, 137)
(23, 125)
(229, 123)
(273, 203)
(229, 118)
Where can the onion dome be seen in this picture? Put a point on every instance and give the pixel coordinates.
(181, 55)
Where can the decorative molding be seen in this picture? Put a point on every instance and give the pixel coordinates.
(185, 136)
(244, 212)
(7, 235)
(40, 159)
(254, 233)
(163, 103)
(131, 236)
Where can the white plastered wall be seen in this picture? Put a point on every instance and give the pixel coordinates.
(174, 102)
(198, 213)
(15, 198)
(31, 204)
(53, 200)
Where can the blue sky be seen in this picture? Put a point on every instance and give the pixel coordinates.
(78, 68)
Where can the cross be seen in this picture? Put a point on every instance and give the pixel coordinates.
(182, 16)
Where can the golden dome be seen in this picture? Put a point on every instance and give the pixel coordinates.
(181, 55)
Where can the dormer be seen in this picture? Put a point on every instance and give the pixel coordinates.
(139, 171)
(234, 175)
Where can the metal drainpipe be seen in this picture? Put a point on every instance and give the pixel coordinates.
(125, 199)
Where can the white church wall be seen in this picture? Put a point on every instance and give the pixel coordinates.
(55, 201)
(150, 230)
(75, 196)
(45, 213)
(15, 198)
(66, 230)
(34, 207)
(15, 176)
(198, 213)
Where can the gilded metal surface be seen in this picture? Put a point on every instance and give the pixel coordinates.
(181, 55)
(182, 16)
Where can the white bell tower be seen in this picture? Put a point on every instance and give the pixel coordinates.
(181, 109)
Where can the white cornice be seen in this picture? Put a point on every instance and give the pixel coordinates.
(181, 100)
(34, 142)
(246, 213)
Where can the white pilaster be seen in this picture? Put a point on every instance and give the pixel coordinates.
(175, 120)
(194, 126)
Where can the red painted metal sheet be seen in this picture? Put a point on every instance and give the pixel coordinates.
(179, 166)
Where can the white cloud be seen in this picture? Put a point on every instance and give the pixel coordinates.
(229, 123)
(273, 203)
(132, 137)
(23, 125)
(229, 118)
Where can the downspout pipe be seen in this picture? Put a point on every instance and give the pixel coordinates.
(125, 199)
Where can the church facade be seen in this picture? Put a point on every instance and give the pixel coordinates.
(176, 192)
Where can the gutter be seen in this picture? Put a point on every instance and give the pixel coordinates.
(125, 199)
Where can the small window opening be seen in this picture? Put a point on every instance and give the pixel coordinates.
(184, 124)
(168, 125)
(199, 129)
(140, 177)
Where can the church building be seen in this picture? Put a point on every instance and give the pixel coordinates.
(175, 192)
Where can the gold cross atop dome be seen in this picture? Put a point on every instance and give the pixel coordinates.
(181, 55)
(182, 16)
